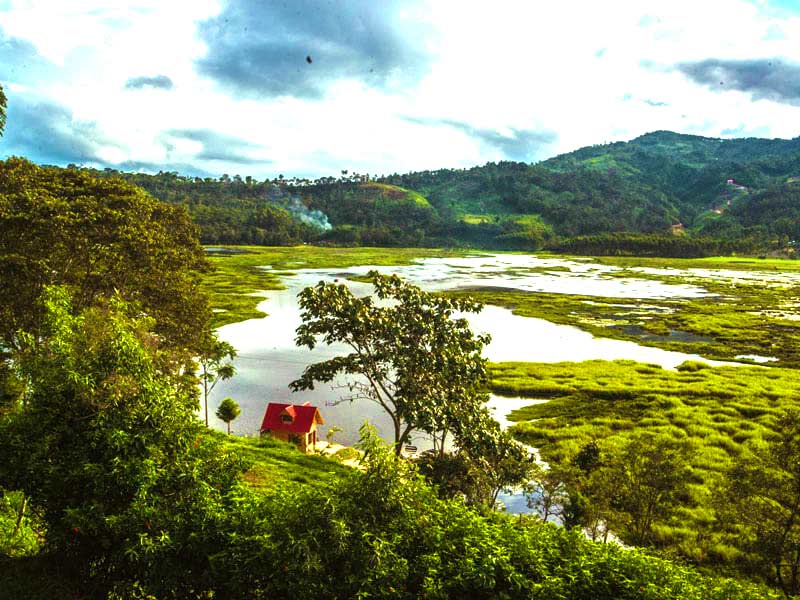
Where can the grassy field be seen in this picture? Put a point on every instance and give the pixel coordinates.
(718, 410)
(272, 461)
(243, 273)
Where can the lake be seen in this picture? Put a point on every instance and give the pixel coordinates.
(268, 358)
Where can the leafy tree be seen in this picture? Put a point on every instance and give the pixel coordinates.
(642, 482)
(547, 493)
(97, 237)
(408, 354)
(760, 505)
(332, 431)
(107, 448)
(215, 364)
(227, 411)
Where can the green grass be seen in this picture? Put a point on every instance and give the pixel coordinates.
(717, 409)
(399, 192)
(238, 281)
(273, 461)
(745, 317)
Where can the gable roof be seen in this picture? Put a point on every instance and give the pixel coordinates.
(303, 417)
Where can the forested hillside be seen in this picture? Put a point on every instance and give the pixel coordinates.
(662, 193)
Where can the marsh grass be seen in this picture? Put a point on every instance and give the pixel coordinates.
(239, 279)
(746, 317)
(718, 410)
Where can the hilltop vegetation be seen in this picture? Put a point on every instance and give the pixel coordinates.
(662, 194)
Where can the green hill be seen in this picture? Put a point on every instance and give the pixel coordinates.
(738, 193)
(625, 197)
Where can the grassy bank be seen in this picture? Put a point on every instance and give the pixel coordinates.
(717, 410)
(243, 273)
(753, 310)
(272, 461)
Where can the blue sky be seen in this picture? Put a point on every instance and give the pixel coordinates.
(312, 87)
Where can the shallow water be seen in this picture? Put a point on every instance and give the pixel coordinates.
(268, 358)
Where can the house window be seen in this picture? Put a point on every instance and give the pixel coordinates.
(295, 439)
(286, 418)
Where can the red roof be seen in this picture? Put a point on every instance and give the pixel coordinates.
(294, 418)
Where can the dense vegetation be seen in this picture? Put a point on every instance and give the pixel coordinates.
(663, 193)
(95, 236)
(721, 421)
(133, 498)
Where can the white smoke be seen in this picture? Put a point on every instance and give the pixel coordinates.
(295, 206)
(300, 211)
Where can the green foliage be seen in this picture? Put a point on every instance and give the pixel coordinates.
(18, 527)
(644, 481)
(408, 355)
(760, 505)
(477, 473)
(216, 364)
(271, 463)
(641, 244)
(227, 411)
(141, 502)
(108, 450)
(719, 412)
(382, 533)
(97, 237)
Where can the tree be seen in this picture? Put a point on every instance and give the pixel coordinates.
(107, 447)
(3, 101)
(760, 505)
(215, 365)
(97, 237)
(547, 493)
(227, 411)
(641, 482)
(332, 431)
(408, 354)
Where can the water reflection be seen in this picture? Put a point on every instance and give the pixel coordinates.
(268, 358)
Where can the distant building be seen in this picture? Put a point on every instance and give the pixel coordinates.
(293, 423)
(730, 182)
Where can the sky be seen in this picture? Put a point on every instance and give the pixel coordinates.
(310, 88)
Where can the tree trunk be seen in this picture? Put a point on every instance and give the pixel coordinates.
(21, 514)
(205, 392)
(228, 423)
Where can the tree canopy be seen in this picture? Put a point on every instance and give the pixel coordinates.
(760, 505)
(107, 446)
(409, 354)
(227, 411)
(97, 237)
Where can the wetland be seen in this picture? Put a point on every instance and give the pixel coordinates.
(540, 309)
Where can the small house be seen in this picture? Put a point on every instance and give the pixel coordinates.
(293, 423)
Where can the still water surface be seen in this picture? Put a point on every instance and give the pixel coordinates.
(268, 358)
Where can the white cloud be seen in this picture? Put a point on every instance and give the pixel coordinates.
(591, 72)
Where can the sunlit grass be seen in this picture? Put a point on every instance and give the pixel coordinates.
(718, 410)
(239, 278)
